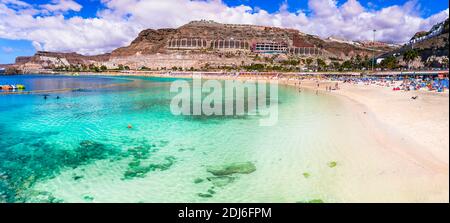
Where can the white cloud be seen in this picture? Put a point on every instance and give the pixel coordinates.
(37, 45)
(121, 20)
(62, 6)
(15, 3)
(351, 8)
(7, 50)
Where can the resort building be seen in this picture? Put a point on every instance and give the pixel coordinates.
(270, 47)
(230, 44)
(187, 43)
(305, 51)
(298, 48)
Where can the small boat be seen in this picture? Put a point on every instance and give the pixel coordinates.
(6, 87)
(12, 87)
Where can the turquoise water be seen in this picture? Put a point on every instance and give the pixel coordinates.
(78, 148)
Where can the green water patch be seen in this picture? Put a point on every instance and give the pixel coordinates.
(140, 152)
(36, 196)
(198, 180)
(27, 158)
(136, 169)
(147, 104)
(215, 119)
(223, 175)
(24, 164)
(203, 195)
(88, 198)
(186, 149)
(313, 201)
(332, 164)
(209, 193)
(77, 177)
(13, 138)
(221, 181)
(229, 169)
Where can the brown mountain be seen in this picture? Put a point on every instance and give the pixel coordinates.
(203, 43)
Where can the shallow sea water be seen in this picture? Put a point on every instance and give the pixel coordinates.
(78, 148)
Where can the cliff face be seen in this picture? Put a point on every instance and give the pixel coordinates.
(149, 41)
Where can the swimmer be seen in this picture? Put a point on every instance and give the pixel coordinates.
(129, 126)
(57, 97)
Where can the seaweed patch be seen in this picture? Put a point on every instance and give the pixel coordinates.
(24, 164)
(221, 181)
(137, 170)
(332, 164)
(241, 168)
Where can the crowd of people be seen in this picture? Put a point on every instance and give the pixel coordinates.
(437, 84)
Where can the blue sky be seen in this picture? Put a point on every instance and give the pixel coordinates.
(30, 25)
(427, 7)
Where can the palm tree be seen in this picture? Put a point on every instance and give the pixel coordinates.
(309, 62)
(410, 55)
(321, 64)
(445, 63)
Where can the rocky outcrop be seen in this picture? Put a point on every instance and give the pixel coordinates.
(149, 41)
(50, 60)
